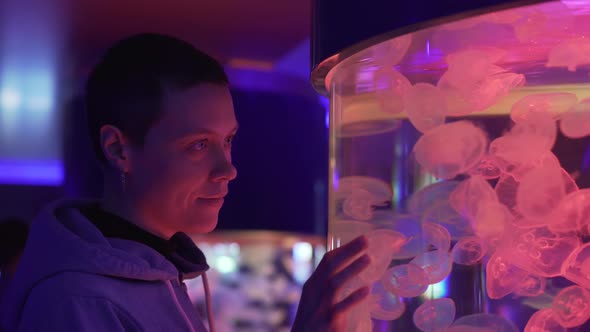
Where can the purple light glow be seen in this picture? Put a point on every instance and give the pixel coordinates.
(31, 172)
(326, 104)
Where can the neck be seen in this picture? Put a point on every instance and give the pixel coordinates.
(121, 203)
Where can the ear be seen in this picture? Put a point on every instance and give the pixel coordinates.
(115, 147)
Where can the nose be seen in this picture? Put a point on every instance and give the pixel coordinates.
(224, 169)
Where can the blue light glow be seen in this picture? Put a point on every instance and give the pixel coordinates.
(31, 44)
(326, 103)
(39, 91)
(10, 99)
(437, 291)
(32, 172)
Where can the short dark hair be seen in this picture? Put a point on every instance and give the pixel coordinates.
(13, 237)
(127, 86)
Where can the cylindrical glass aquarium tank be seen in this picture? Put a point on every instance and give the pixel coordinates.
(460, 147)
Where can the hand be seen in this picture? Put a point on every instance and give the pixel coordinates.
(319, 308)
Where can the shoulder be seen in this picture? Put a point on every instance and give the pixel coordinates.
(83, 284)
(86, 299)
(82, 313)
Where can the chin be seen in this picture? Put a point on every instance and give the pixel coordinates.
(200, 225)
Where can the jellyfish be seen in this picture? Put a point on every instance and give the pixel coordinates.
(485, 322)
(572, 306)
(539, 250)
(540, 192)
(532, 285)
(407, 225)
(502, 277)
(451, 149)
(443, 213)
(390, 89)
(544, 321)
(576, 122)
(469, 250)
(436, 264)
(552, 104)
(344, 230)
(425, 107)
(527, 142)
(570, 53)
(384, 305)
(577, 266)
(406, 280)
(383, 244)
(436, 236)
(435, 315)
(423, 199)
(469, 194)
(359, 194)
(487, 168)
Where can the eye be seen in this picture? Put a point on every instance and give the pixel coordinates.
(229, 140)
(199, 145)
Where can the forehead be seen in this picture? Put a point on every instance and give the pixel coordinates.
(204, 107)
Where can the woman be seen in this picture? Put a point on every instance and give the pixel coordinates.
(162, 121)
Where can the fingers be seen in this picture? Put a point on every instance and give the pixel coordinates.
(335, 260)
(350, 301)
(357, 266)
(323, 300)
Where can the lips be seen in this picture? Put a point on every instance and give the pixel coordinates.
(214, 197)
(212, 200)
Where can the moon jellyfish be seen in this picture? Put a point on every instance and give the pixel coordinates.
(502, 277)
(443, 213)
(540, 191)
(577, 266)
(532, 285)
(390, 89)
(576, 122)
(425, 106)
(570, 53)
(436, 264)
(469, 250)
(358, 195)
(486, 168)
(436, 236)
(539, 250)
(469, 194)
(385, 305)
(552, 104)
(423, 199)
(383, 244)
(411, 228)
(406, 280)
(348, 230)
(573, 212)
(489, 322)
(491, 220)
(451, 149)
(544, 320)
(572, 306)
(435, 315)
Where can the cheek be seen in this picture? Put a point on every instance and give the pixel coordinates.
(172, 176)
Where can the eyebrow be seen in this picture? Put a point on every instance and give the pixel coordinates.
(201, 131)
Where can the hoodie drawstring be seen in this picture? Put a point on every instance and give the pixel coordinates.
(178, 306)
(208, 303)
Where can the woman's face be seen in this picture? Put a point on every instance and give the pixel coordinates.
(178, 179)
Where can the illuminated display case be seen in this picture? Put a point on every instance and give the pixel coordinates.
(255, 278)
(459, 146)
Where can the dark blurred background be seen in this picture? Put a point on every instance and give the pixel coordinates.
(48, 47)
